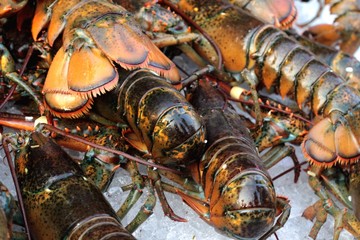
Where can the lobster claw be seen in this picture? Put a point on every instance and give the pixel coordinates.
(61, 101)
(84, 64)
(132, 49)
(329, 142)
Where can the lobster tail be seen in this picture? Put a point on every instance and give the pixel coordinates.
(61, 100)
(283, 63)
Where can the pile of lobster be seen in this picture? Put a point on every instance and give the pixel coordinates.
(89, 76)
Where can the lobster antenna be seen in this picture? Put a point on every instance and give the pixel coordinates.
(226, 88)
(6, 140)
(16, 78)
(287, 171)
(94, 145)
(262, 105)
(196, 75)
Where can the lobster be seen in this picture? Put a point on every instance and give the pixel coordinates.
(344, 31)
(231, 174)
(170, 130)
(70, 86)
(47, 176)
(280, 61)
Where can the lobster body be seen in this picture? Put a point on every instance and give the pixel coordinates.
(279, 61)
(159, 115)
(53, 189)
(239, 192)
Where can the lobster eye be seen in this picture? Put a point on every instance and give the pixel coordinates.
(247, 209)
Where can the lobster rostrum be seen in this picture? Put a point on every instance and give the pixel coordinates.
(96, 36)
(239, 196)
(47, 176)
(279, 61)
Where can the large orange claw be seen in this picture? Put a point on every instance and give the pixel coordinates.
(91, 72)
(41, 17)
(95, 34)
(319, 144)
(331, 142)
(132, 49)
(61, 101)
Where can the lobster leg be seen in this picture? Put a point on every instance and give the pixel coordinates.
(152, 182)
(7, 69)
(343, 219)
(164, 40)
(156, 182)
(284, 207)
(146, 210)
(318, 212)
(186, 182)
(136, 189)
(4, 230)
(277, 153)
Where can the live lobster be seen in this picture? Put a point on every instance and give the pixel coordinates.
(47, 176)
(279, 61)
(239, 197)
